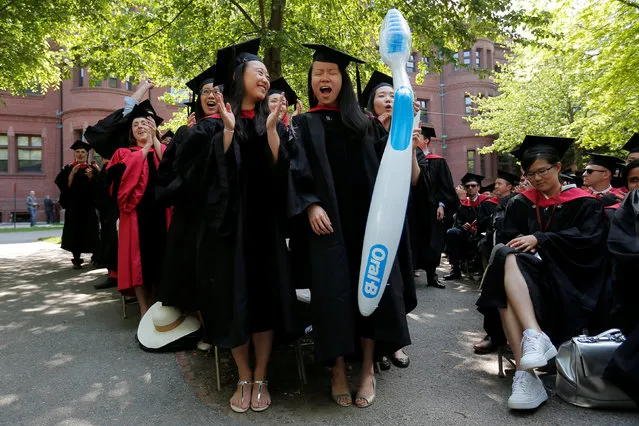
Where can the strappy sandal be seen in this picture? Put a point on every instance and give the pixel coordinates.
(347, 398)
(239, 409)
(369, 400)
(259, 384)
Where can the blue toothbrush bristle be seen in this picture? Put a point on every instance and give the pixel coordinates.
(396, 43)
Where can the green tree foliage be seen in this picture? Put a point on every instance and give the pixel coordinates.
(33, 37)
(537, 96)
(578, 76)
(173, 40)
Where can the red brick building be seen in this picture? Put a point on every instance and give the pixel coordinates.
(36, 132)
(445, 98)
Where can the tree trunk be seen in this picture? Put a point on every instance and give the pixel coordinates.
(273, 54)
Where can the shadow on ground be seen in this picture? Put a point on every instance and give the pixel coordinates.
(446, 382)
(68, 357)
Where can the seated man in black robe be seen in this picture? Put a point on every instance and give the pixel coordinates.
(458, 238)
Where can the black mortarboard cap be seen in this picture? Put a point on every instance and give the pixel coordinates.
(195, 84)
(280, 85)
(334, 56)
(471, 177)
(328, 54)
(428, 132)
(81, 145)
(568, 175)
(543, 144)
(487, 188)
(230, 57)
(145, 109)
(167, 134)
(633, 144)
(377, 80)
(609, 162)
(513, 179)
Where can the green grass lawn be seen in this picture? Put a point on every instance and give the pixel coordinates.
(52, 240)
(31, 229)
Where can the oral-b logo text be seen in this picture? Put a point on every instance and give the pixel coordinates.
(375, 270)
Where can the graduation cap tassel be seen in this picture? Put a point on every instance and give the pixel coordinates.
(359, 83)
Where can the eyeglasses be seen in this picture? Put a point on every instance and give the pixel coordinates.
(206, 92)
(471, 185)
(591, 171)
(541, 172)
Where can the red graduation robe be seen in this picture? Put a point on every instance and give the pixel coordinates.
(132, 186)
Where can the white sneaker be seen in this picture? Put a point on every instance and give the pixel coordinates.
(536, 349)
(528, 391)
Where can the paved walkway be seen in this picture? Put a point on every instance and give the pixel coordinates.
(68, 357)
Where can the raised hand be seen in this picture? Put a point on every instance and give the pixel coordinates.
(226, 113)
(274, 116)
(191, 120)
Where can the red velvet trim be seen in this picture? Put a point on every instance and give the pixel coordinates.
(614, 206)
(82, 165)
(477, 202)
(211, 116)
(432, 156)
(323, 108)
(571, 194)
(494, 200)
(247, 113)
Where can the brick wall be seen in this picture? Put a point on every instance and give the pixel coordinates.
(37, 115)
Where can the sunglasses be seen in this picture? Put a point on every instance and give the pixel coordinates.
(591, 171)
(471, 185)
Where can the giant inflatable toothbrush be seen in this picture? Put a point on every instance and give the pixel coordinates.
(390, 195)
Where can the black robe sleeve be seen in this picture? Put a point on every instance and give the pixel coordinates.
(208, 172)
(443, 186)
(170, 189)
(301, 184)
(485, 216)
(109, 134)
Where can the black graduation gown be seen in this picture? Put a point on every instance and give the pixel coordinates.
(420, 217)
(565, 284)
(442, 191)
(485, 230)
(80, 232)
(107, 205)
(241, 259)
(337, 169)
(177, 285)
(623, 244)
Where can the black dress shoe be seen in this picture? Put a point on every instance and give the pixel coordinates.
(403, 362)
(485, 346)
(433, 281)
(384, 363)
(455, 274)
(108, 283)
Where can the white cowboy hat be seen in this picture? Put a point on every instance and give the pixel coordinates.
(162, 325)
